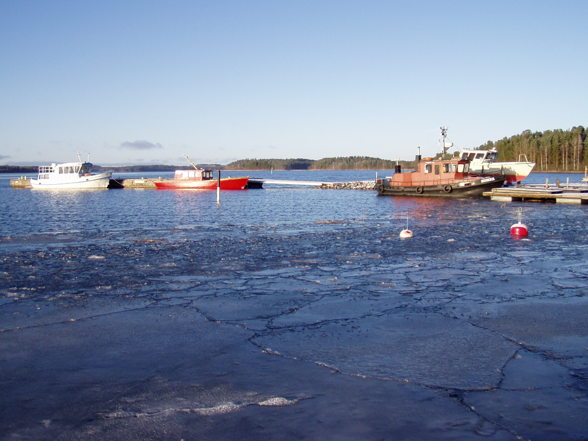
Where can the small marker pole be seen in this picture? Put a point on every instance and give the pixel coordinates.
(218, 185)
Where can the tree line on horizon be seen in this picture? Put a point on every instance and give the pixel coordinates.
(550, 150)
(337, 163)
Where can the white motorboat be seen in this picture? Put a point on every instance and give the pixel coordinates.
(483, 163)
(74, 175)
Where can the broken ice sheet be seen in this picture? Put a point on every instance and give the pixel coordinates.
(424, 348)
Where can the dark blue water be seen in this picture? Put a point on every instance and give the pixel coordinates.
(290, 313)
(26, 213)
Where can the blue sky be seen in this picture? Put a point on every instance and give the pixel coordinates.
(143, 82)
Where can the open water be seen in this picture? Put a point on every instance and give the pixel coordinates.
(290, 313)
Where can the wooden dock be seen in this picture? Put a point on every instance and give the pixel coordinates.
(136, 183)
(562, 194)
(22, 182)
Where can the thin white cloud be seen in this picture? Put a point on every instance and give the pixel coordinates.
(140, 145)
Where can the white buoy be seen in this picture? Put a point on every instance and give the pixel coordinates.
(519, 229)
(406, 233)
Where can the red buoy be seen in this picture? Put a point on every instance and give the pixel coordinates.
(519, 230)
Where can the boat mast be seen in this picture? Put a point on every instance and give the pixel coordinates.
(191, 163)
(444, 144)
(443, 137)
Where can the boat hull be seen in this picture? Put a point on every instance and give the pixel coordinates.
(454, 190)
(210, 184)
(94, 181)
(512, 171)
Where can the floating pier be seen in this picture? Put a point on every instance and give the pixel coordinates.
(562, 194)
(24, 182)
(149, 183)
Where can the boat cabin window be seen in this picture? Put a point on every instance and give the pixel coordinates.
(437, 169)
(448, 168)
(64, 170)
(480, 155)
(492, 156)
(428, 168)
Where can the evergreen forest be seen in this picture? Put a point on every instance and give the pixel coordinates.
(551, 150)
(270, 164)
(339, 163)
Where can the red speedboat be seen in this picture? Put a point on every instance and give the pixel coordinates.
(200, 179)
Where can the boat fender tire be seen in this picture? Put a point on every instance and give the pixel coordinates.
(419, 190)
(448, 189)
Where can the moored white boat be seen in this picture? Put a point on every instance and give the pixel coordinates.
(70, 175)
(483, 163)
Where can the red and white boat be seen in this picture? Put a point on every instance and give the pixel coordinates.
(201, 179)
(483, 163)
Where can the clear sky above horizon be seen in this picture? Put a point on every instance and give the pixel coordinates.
(147, 82)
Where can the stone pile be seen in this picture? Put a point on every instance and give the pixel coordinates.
(354, 185)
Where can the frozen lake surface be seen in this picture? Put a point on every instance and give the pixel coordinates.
(290, 313)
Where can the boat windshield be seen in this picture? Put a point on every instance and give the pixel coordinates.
(463, 168)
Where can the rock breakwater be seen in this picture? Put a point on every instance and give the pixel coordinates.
(354, 185)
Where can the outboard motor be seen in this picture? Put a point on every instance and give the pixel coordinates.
(397, 168)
